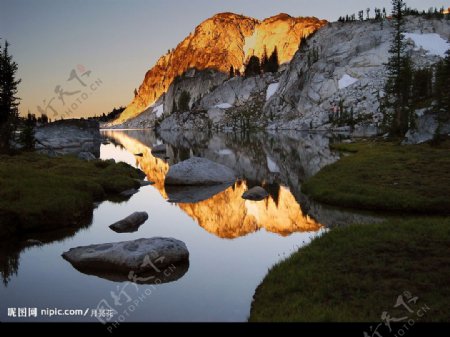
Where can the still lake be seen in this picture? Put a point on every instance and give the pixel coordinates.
(232, 242)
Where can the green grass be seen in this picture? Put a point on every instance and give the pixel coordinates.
(40, 193)
(357, 272)
(386, 176)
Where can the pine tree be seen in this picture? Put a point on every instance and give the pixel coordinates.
(273, 64)
(442, 89)
(361, 15)
(399, 75)
(26, 137)
(174, 106)
(265, 61)
(422, 84)
(253, 66)
(231, 71)
(183, 101)
(9, 101)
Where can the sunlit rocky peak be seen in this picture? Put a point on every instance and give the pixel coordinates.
(222, 41)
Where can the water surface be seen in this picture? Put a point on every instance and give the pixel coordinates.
(232, 242)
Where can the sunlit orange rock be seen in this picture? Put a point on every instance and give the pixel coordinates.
(220, 42)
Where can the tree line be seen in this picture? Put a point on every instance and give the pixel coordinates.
(381, 14)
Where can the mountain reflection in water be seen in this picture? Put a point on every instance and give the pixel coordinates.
(224, 213)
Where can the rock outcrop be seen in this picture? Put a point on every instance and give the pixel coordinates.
(69, 137)
(426, 128)
(218, 43)
(343, 64)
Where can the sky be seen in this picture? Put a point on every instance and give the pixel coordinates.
(82, 58)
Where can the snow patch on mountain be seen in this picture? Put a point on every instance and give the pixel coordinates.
(346, 81)
(159, 110)
(272, 89)
(433, 43)
(223, 106)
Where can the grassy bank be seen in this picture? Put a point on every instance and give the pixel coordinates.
(386, 176)
(40, 193)
(356, 273)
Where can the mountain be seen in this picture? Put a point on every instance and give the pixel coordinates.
(218, 43)
(334, 82)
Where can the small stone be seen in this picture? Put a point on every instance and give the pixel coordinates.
(131, 223)
(256, 193)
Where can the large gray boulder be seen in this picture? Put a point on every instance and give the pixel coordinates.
(138, 256)
(256, 193)
(199, 171)
(131, 223)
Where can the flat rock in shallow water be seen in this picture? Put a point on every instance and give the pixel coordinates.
(130, 224)
(199, 171)
(128, 193)
(140, 261)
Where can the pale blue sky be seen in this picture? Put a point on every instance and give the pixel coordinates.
(120, 40)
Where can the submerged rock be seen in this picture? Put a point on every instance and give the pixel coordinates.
(33, 242)
(199, 171)
(145, 182)
(131, 223)
(160, 149)
(128, 193)
(256, 193)
(139, 261)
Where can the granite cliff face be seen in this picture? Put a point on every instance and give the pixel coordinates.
(218, 43)
(344, 63)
